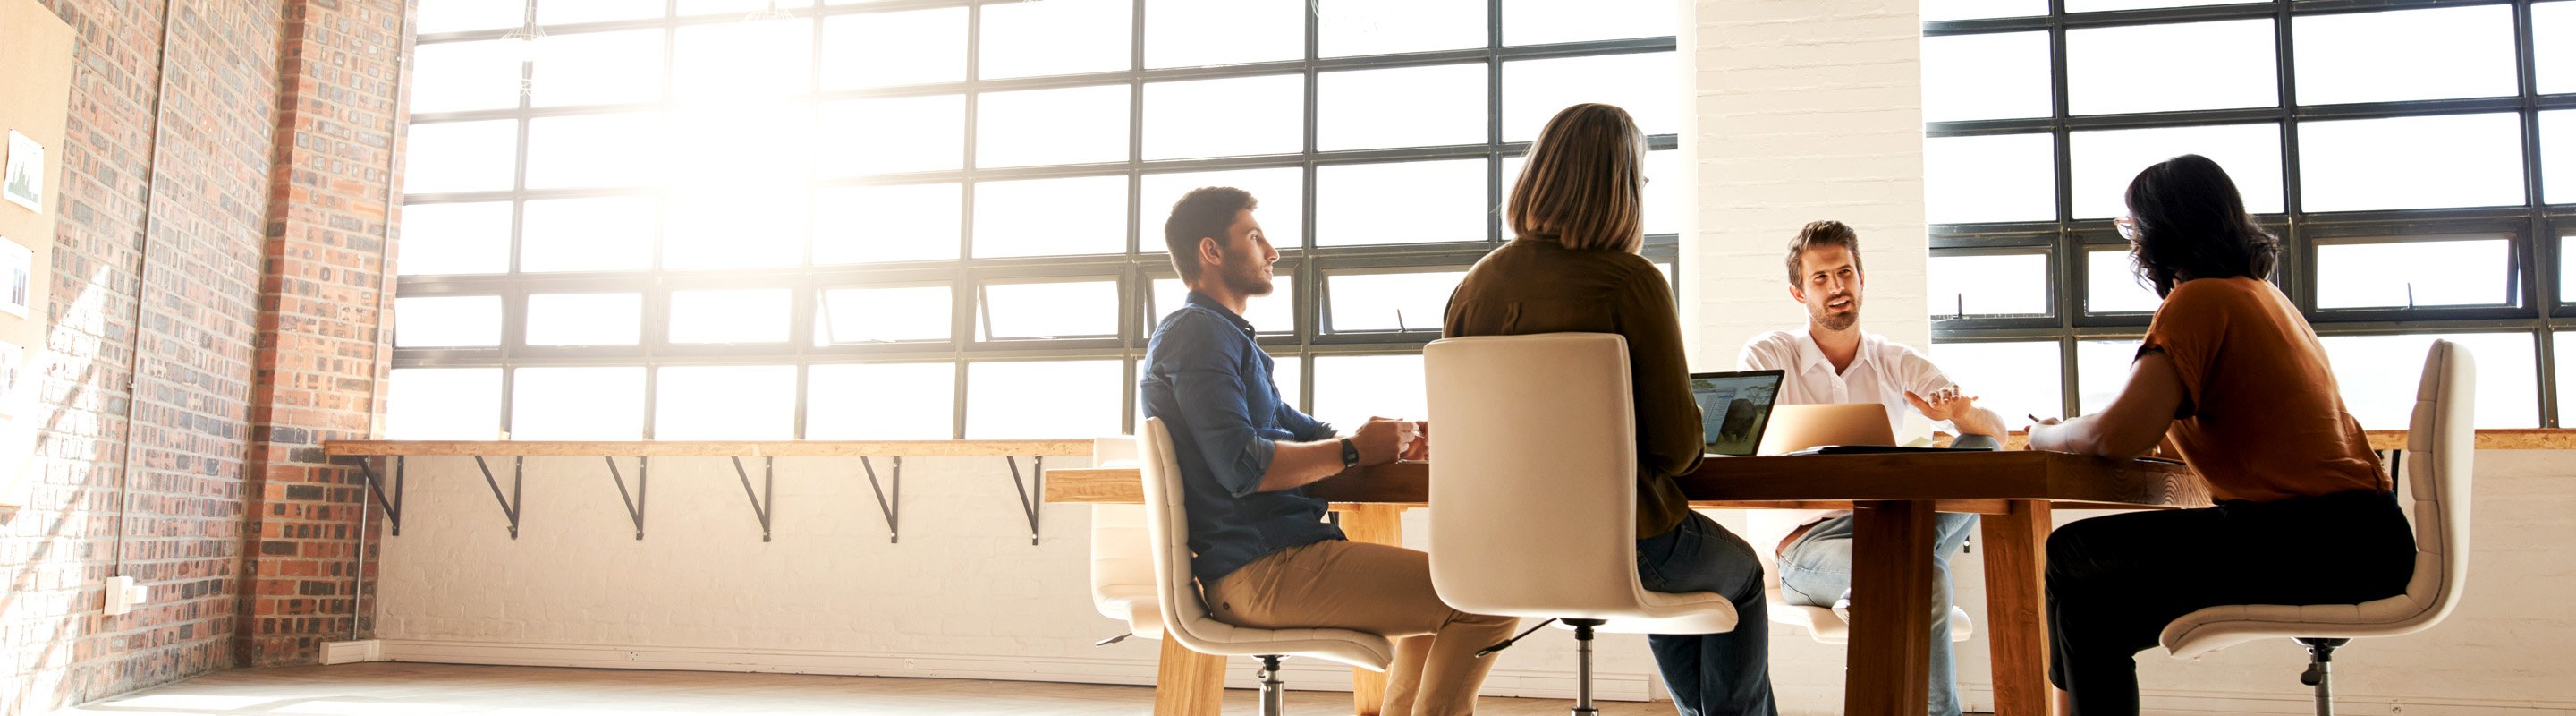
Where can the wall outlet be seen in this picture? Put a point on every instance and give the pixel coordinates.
(123, 594)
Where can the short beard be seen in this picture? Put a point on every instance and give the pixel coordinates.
(1245, 278)
(1828, 320)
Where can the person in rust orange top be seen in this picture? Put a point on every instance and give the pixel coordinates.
(2232, 374)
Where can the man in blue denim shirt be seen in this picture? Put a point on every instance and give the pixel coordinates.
(1262, 552)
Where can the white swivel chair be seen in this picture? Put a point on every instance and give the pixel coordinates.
(1185, 613)
(1122, 566)
(2438, 444)
(1534, 490)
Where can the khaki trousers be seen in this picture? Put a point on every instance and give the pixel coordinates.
(1374, 588)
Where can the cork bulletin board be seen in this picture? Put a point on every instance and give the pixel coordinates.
(35, 99)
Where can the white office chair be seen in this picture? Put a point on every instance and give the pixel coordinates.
(1122, 566)
(1534, 490)
(1185, 613)
(2439, 440)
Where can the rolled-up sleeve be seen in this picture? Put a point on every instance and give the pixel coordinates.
(1302, 426)
(1206, 374)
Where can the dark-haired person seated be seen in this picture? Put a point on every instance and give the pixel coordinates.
(1573, 266)
(1261, 550)
(2233, 375)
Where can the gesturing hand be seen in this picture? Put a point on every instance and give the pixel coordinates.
(1943, 404)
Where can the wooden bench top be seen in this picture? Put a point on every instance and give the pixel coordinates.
(2509, 439)
(710, 448)
(2518, 439)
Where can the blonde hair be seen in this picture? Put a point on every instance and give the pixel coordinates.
(1584, 182)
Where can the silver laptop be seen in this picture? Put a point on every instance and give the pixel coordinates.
(1734, 408)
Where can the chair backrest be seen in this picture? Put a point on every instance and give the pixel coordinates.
(2440, 441)
(1120, 563)
(1167, 534)
(1533, 474)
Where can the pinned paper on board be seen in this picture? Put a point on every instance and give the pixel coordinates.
(25, 183)
(17, 276)
(13, 368)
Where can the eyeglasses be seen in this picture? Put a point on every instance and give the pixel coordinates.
(2128, 228)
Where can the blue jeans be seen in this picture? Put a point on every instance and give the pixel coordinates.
(1711, 674)
(1817, 568)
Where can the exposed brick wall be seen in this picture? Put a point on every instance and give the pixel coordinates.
(321, 351)
(258, 333)
(189, 422)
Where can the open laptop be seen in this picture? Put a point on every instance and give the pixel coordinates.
(1833, 429)
(1735, 408)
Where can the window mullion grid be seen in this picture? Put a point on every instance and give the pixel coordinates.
(1134, 288)
(2539, 250)
(654, 349)
(2295, 255)
(965, 293)
(1494, 119)
(2064, 288)
(1311, 313)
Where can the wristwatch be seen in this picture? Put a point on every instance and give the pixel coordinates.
(1350, 454)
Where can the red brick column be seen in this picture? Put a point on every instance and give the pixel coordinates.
(323, 343)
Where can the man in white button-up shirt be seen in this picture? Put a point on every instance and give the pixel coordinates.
(1834, 361)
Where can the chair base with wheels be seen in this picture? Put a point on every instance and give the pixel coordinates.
(2320, 661)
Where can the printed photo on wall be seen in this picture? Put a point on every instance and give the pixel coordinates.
(17, 271)
(13, 366)
(25, 182)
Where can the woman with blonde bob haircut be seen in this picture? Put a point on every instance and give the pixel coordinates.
(1576, 215)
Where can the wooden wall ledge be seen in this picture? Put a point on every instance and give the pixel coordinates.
(678, 448)
(2514, 439)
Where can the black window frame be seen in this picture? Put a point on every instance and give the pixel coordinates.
(1134, 269)
(2535, 226)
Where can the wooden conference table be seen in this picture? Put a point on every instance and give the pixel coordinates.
(1894, 497)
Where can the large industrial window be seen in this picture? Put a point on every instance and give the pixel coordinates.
(738, 219)
(2418, 161)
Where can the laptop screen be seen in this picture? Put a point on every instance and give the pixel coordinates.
(1734, 407)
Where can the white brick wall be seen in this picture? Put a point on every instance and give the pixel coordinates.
(1806, 110)
(963, 595)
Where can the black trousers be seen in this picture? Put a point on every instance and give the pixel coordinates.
(2114, 582)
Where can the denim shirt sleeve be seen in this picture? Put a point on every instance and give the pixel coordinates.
(1305, 427)
(1205, 368)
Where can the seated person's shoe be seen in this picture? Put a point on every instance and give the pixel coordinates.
(1842, 607)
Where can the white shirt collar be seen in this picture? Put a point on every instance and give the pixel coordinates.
(1811, 355)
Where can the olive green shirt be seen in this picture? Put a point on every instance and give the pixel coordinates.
(1539, 286)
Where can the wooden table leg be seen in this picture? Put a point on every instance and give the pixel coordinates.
(1188, 683)
(1373, 524)
(1889, 657)
(2016, 544)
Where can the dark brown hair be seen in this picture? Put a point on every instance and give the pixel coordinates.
(1817, 235)
(1585, 182)
(2192, 224)
(1204, 213)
